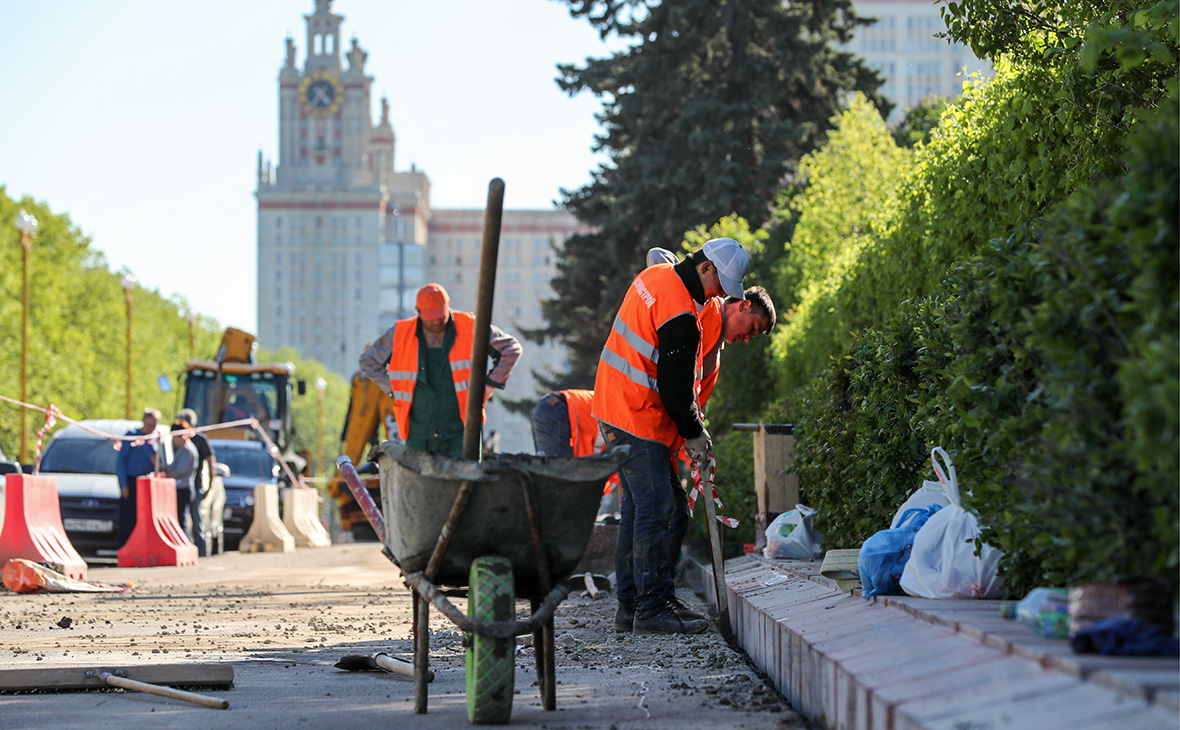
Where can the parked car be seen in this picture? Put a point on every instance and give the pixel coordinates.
(83, 463)
(7, 466)
(249, 464)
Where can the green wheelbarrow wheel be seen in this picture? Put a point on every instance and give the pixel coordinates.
(491, 662)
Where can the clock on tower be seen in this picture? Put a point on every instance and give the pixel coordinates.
(321, 93)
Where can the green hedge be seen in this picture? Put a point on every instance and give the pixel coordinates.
(1048, 366)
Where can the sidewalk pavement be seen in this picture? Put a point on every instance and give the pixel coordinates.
(904, 663)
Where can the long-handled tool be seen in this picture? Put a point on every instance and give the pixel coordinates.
(115, 680)
(379, 661)
(719, 585)
(126, 677)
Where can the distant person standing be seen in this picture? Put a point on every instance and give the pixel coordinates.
(202, 478)
(136, 458)
(182, 467)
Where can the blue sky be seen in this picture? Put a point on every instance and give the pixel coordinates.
(143, 119)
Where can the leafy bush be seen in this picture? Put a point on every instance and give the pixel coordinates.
(1048, 366)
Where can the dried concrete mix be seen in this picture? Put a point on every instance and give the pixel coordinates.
(283, 620)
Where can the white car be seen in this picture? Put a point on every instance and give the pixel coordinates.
(83, 463)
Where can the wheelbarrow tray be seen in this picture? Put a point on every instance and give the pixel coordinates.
(418, 490)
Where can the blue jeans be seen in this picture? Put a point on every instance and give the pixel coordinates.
(196, 522)
(641, 553)
(677, 528)
(551, 426)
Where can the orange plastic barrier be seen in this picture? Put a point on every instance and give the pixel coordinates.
(158, 538)
(32, 525)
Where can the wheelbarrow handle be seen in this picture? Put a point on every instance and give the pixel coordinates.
(362, 496)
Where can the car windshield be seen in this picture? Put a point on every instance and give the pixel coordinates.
(246, 462)
(80, 456)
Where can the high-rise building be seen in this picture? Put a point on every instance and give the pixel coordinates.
(903, 47)
(345, 240)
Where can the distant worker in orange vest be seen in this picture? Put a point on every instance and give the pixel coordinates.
(564, 426)
(645, 397)
(424, 364)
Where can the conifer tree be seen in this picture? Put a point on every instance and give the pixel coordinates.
(704, 116)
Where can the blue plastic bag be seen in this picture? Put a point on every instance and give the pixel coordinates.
(883, 556)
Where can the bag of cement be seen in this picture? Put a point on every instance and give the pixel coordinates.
(793, 535)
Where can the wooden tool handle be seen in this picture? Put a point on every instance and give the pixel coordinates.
(215, 702)
(399, 666)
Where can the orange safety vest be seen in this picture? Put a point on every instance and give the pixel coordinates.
(626, 394)
(403, 367)
(583, 426)
(710, 318)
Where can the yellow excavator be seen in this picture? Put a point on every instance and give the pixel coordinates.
(369, 408)
(232, 387)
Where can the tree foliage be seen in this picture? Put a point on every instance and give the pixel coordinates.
(78, 329)
(1017, 305)
(703, 117)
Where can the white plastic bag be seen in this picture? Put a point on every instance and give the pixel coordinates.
(924, 496)
(793, 535)
(943, 563)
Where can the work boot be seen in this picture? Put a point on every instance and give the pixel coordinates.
(623, 620)
(665, 621)
(684, 612)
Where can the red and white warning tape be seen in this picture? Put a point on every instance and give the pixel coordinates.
(698, 488)
(52, 414)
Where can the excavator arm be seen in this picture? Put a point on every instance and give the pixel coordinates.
(368, 409)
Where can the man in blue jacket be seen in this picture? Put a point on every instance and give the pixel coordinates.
(136, 458)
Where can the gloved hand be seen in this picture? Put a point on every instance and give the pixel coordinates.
(698, 446)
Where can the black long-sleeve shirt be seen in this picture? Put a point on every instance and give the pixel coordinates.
(676, 369)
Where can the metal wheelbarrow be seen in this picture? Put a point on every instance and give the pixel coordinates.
(513, 526)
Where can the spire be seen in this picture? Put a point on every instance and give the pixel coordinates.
(323, 38)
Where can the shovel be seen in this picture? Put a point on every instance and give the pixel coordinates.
(719, 585)
(379, 661)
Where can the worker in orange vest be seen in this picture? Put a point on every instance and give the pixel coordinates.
(424, 364)
(645, 398)
(564, 426)
(723, 322)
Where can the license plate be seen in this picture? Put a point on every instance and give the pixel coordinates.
(79, 525)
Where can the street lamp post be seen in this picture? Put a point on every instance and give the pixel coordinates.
(191, 316)
(127, 281)
(320, 386)
(27, 225)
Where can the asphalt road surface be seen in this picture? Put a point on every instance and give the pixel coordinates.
(283, 620)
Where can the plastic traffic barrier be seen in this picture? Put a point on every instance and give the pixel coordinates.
(32, 525)
(267, 532)
(301, 517)
(158, 538)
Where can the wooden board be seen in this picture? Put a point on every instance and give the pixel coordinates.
(174, 675)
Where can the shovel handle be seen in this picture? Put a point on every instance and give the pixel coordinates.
(399, 666)
(215, 702)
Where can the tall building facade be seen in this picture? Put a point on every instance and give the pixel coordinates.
(345, 240)
(901, 45)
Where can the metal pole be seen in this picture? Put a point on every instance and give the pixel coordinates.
(127, 296)
(483, 318)
(319, 432)
(26, 242)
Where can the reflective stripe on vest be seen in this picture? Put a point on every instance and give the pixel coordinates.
(626, 394)
(403, 366)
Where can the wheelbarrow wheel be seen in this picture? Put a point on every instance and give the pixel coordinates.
(491, 663)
